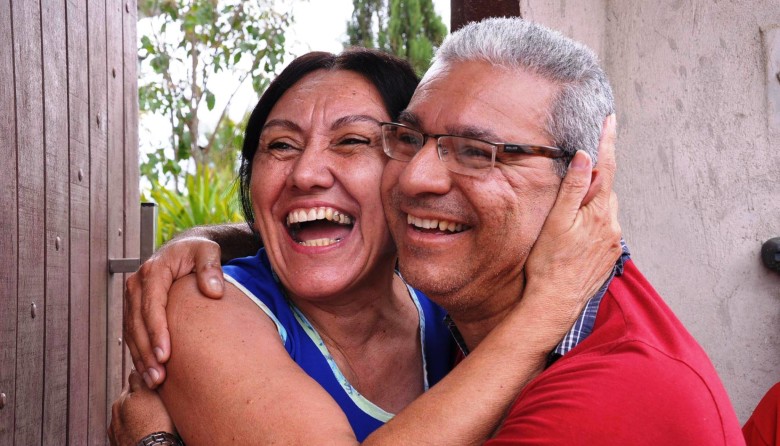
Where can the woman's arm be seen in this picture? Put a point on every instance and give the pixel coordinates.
(573, 256)
(231, 381)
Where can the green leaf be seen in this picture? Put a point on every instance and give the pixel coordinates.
(210, 99)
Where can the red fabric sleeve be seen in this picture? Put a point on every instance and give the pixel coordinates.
(761, 428)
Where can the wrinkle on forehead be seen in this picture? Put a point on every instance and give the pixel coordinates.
(469, 131)
(327, 99)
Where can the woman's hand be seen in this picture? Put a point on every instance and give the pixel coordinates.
(137, 413)
(146, 296)
(580, 241)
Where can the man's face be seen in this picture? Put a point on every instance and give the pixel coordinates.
(489, 223)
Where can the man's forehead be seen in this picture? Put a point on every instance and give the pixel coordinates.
(478, 99)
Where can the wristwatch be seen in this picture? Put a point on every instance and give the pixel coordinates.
(161, 439)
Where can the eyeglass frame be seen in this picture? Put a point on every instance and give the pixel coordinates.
(498, 147)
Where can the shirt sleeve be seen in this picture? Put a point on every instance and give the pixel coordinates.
(762, 427)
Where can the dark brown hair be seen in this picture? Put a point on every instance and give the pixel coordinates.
(393, 78)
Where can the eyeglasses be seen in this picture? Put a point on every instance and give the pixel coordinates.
(467, 156)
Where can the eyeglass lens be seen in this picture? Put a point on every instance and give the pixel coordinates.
(460, 154)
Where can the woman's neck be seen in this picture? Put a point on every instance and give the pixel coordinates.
(356, 315)
(373, 334)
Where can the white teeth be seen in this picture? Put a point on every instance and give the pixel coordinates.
(320, 242)
(441, 225)
(319, 213)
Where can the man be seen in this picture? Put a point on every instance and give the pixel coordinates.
(627, 372)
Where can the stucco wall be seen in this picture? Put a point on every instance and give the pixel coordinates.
(699, 166)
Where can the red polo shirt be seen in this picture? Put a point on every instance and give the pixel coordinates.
(639, 379)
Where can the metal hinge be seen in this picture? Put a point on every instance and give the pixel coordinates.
(148, 231)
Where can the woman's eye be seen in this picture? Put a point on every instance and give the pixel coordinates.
(350, 145)
(280, 146)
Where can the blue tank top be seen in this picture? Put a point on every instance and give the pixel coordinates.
(255, 278)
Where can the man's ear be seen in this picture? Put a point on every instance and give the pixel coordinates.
(595, 186)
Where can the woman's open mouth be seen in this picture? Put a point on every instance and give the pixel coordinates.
(319, 226)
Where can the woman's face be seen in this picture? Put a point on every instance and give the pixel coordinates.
(315, 186)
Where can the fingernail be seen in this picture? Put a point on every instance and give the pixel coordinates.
(215, 284)
(158, 353)
(155, 375)
(148, 380)
(579, 161)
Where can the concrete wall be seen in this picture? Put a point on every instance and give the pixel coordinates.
(699, 164)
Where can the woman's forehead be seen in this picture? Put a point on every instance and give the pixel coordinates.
(326, 96)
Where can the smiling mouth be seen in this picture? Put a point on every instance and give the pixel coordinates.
(434, 225)
(319, 226)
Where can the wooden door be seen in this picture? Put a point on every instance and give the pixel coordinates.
(69, 201)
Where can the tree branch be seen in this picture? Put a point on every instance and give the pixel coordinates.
(224, 111)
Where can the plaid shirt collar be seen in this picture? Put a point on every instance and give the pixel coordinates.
(582, 327)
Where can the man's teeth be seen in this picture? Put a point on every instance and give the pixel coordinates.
(320, 213)
(320, 242)
(441, 225)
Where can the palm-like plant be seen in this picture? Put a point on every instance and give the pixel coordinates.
(211, 198)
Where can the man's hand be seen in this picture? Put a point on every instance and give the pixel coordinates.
(146, 296)
(137, 413)
(580, 241)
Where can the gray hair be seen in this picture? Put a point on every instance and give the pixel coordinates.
(585, 98)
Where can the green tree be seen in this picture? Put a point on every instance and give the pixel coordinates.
(189, 50)
(407, 28)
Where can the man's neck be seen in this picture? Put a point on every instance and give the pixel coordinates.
(489, 308)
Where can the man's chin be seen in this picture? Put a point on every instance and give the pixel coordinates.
(438, 283)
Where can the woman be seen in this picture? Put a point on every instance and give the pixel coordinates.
(326, 284)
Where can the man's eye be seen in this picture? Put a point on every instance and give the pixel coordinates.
(354, 141)
(410, 139)
(475, 153)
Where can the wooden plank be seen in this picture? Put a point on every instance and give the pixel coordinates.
(79, 172)
(115, 211)
(9, 239)
(132, 195)
(26, 25)
(465, 11)
(98, 196)
(55, 87)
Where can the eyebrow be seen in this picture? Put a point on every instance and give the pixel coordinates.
(283, 123)
(409, 118)
(469, 131)
(346, 120)
(341, 122)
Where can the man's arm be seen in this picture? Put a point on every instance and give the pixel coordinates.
(146, 291)
(234, 239)
(137, 413)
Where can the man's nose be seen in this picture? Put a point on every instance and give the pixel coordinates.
(312, 169)
(425, 173)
